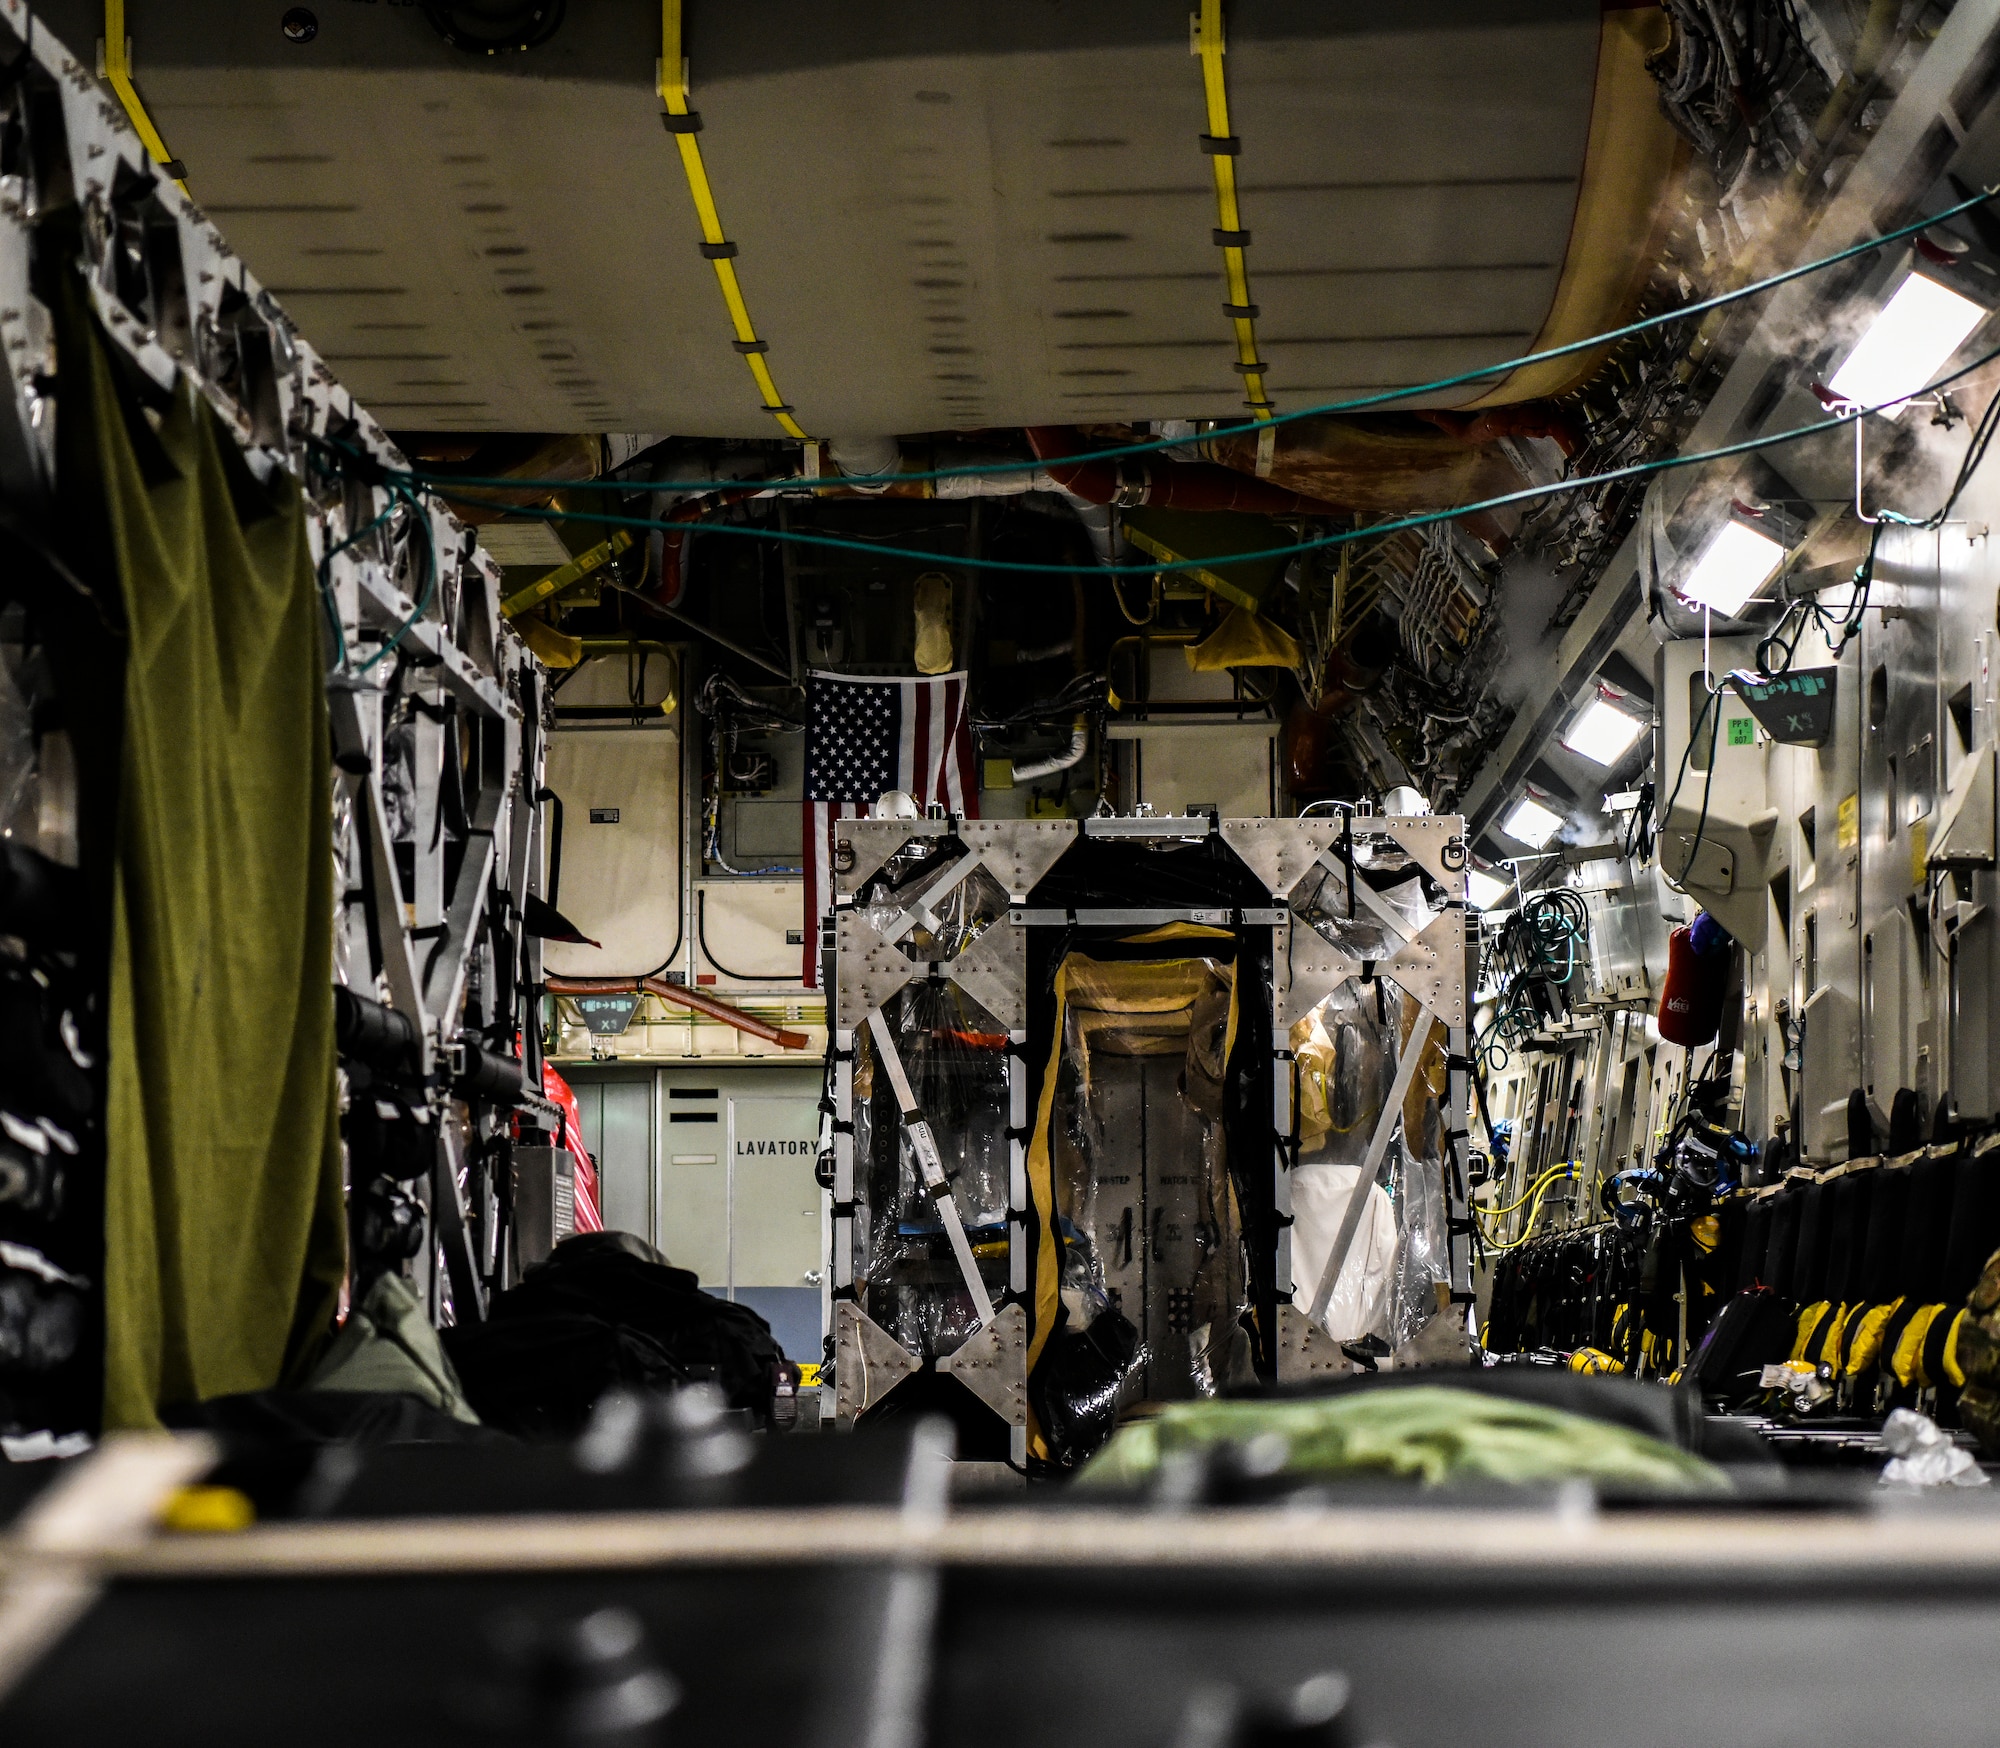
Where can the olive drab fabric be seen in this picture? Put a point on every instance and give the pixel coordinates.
(225, 1238)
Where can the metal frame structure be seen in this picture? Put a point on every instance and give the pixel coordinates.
(1435, 966)
(871, 967)
(437, 708)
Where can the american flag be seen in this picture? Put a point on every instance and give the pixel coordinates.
(865, 737)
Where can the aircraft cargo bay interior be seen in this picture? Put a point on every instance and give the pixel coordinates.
(1103, 872)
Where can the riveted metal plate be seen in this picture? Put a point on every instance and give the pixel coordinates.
(1309, 969)
(1018, 852)
(1436, 841)
(1432, 967)
(1279, 851)
(993, 1364)
(993, 971)
(872, 842)
(871, 970)
(868, 1362)
(1306, 1351)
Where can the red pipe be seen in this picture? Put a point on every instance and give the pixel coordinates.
(1174, 485)
(672, 545)
(687, 998)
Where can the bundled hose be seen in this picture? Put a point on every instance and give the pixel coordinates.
(1528, 961)
(1532, 1198)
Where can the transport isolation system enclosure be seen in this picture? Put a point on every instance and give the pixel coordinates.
(1045, 1105)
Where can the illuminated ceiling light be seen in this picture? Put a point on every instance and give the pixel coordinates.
(1906, 345)
(1531, 823)
(1484, 891)
(1739, 561)
(1603, 733)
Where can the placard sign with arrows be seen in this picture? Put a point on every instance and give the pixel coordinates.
(1795, 708)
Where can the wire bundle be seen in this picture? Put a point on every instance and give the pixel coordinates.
(1533, 953)
(1531, 1198)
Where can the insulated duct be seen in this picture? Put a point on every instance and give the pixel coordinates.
(1399, 463)
(1079, 743)
(1170, 485)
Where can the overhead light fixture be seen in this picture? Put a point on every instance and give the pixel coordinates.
(1738, 562)
(1603, 733)
(1531, 823)
(1484, 891)
(1906, 345)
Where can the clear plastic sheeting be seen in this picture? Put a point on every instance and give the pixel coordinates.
(955, 1055)
(1347, 1049)
(19, 788)
(1359, 929)
(928, 929)
(1141, 1174)
(1094, 1365)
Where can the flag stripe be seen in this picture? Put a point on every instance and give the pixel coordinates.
(864, 737)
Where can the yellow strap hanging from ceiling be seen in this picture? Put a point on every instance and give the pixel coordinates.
(118, 70)
(685, 125)
(1209, 41)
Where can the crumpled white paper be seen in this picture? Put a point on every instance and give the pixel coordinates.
(1924, 1456)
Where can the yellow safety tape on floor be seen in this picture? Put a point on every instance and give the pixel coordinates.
(1210, 41)
(685, 124)
(118, 71)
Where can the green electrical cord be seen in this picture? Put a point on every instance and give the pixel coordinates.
(430, 578)
(1374, 531)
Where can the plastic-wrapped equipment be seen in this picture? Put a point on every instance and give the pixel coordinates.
(1135, 1142)
(955, 1057)
(939, 927)
(1348, 1050)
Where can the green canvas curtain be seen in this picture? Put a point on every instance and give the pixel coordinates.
(225, 1237)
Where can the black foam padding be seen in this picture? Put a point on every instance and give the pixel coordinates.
(1926, 1225)
(1843, 1249)
(1882, 1249)
(1756, 1245)
(1784, 1244)
(1815, 1228)
(1974, 1231)
(1731, 1219)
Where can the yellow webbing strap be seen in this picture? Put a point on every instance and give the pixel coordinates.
(1211, 43)
(118, 70)
(673, 93)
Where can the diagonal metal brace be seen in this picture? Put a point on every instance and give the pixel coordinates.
(930, 1166)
